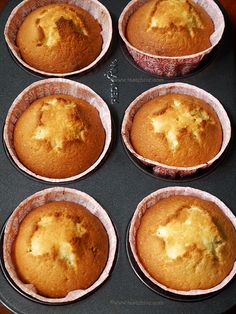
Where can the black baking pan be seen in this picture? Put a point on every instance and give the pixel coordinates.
(118, 185)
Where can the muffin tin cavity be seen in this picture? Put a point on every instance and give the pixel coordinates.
(160, 168)
(38, 248)
(95, 8)
(196, 223)
(53, 87)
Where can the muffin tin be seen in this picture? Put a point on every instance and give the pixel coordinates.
(118, 185)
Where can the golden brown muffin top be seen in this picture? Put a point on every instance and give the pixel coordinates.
(170, 28)
(60, 247)
(186, 243)
(59, 38)
(59, 136)
(177, 130)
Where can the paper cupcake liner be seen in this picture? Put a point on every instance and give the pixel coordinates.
(171, 66)
(55, 86)
(174, 88)
(151, 200)
(94, 7)
(43, 197)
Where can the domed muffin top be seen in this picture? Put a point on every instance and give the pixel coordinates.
(185, 243)
(60, 247)
(59, 136)
(59, 38)
(177, 130)
(170, 28)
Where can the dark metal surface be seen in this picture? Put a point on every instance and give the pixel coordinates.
(118, 185)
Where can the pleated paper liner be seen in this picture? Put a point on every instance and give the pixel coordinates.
(159, 169)
(94, 7)
(165, 65)
(36, 200)
(142, 273)
(52, 87)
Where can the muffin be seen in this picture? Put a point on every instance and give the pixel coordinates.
(60, 247)
(157, 32)
(176, 130)
(56, 243)
(170, 28)
(185, 242)
(59, 38)
(59, 136)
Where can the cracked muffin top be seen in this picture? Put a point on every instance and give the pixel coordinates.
(186, 243)
(60, 247)
(59, 38)
(170, 28)
(176, 130)
(59, 136)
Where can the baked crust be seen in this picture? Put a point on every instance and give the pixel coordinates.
(170, 28)
(60, 247)
(59, 136)
(177, 130)
(186, 243)
(59, 38)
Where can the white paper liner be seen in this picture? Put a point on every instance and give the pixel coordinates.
(94, 7)
(55, 86)
(174, 88)
(43, 197)
(151, 200)
(171, 66)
